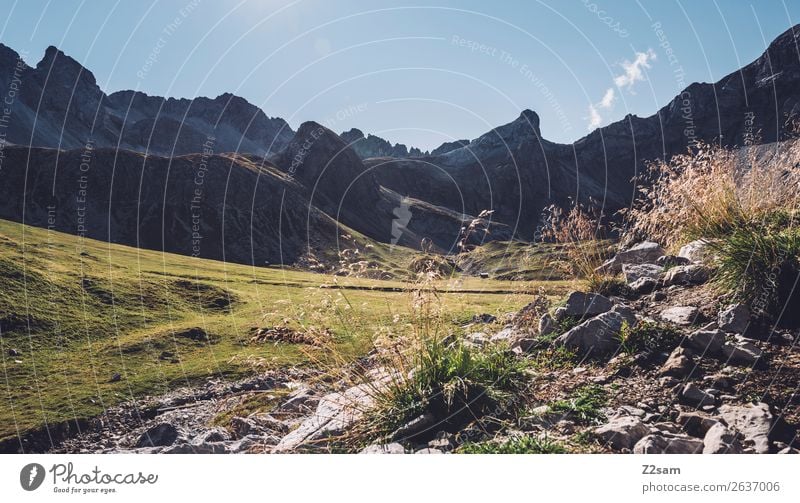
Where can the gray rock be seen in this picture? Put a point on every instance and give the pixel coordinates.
(696, 251)
(393, 448)
(300, 400)
(599, 334)
(706, 341)
(754, 422)
(644, 285)
(693, 274)
(720, 440)
(672, 261)
(643, 253)
(680, 315)
(634, 272)
(582, 304)
(200, 448)
(696, 396)
(734, 318)
(252, 443)
(162, 434)
(546, 324)
(679, 364)
(335, 412)
(695, 423)
(622, 432)
(742, 351)
(664, 443)
(213, 435)
(477, 339)
(417, 425)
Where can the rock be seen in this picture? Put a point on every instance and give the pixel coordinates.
(735, 318)
(646, 252)
(644, 285)
(742, 352)
(508, 336)
(393, 448)
(443, 442)
(414, 427)
(546, 324)
(720, 440)
(693, 274)
(658, 296)
(13, 352)
(213, 435)
(672, 261)
(201, 448)
(754, 422)
(622, 432)
(477, 339)
(695, 424)
(696, 396)
(300, 400)
(664, 443)
(599, 334)
(483, 318)
(634, 272)
(789, 450)
(582, 305)
(116, 377)
(680, 315)
(679, 364)
(335, 412)
(428, 450)
(252, 443)
(162, 434)
(696, 251)
(706, 341)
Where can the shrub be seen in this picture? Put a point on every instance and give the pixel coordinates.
(585, 404)
(745, 206)
(649, 337)
(516, 445)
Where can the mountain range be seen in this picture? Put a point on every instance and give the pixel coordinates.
(156, 173)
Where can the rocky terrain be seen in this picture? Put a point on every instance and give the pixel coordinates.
(375, 146)
(667, 366)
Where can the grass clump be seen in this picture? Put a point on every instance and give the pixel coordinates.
(516, 445)
(746, 208)
(585, 404)
(582, 232)
(648, 337)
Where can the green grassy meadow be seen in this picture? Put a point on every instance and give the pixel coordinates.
(75, 312)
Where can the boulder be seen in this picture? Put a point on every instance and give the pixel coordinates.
(693, 395)
(672, 261)
(695, 423)
(162, 434)
(622, 432)
(696, 251)
(681, 315)
(665, 443)
(742, 352)
(334, 414)
(646, 252)
(634, 272)
(546, 324)
(644, 285)
(734, 318)
(679, 364)
(302, 399)
(199, 448)
(393, 448)
(720, 440)
(753, 421)
(583, 305)
(477, 339)
(599, 334)
(693, 274)
(706, 341)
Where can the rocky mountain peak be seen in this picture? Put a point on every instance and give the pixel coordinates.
(63, 68)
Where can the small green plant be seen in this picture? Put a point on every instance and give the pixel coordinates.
(607, 285)
(585, 404)
(647, 336)
(516, 445)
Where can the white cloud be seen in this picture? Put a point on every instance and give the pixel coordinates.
(634, 70)
(608, 99)
(594, 117)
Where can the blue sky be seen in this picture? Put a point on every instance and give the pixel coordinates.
(418, 72)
